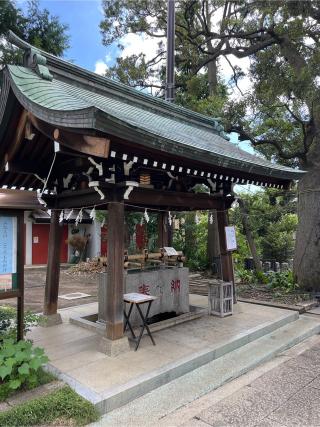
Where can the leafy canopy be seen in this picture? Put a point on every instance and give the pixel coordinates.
(36, 26)
(281, 114)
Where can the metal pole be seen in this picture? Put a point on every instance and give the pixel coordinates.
(169, 95)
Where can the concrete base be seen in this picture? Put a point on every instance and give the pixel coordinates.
(91, 322)
(113, 348)
(51, 320)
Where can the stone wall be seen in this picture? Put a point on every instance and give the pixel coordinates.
(170, 285)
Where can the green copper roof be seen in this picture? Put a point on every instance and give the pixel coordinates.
(80, 99)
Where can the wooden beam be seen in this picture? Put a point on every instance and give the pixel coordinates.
(26, 167)
(53, 265)
(17, 199)
(18, 137)
(86, 144)
(143, 197)
(115, 272)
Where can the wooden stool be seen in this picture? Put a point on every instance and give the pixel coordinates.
(138, 299)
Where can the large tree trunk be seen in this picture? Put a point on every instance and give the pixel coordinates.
(213, 247)
(249, 235)
(307, 251)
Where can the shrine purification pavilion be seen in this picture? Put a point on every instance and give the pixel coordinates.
(83, 141)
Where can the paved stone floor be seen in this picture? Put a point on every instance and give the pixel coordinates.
(73, 350)
(284, 392)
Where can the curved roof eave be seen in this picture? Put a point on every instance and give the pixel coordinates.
(191, 135)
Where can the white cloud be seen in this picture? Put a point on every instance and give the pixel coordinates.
(100, 67)
(244, 83)
(135, 44)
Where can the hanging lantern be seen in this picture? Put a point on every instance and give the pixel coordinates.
(145, 179)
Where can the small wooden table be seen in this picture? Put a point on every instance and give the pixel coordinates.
(138, 299)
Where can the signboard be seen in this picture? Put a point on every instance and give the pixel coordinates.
(170, 251)
(8, 252)
(231, 239)
(11, 261)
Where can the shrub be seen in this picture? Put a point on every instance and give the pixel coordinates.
(19, 364)
(245, 276)
(8, 322)
(248, 277)
(283, 281)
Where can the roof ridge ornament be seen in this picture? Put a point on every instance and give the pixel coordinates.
(33, 59)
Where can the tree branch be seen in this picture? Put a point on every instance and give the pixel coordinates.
(245, 135)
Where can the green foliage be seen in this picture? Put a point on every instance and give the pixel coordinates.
(19, 363)
(8, 322)
(194, 94)
(7, 316)
(278, 243)
(273, 221)
(42, 377)
(191, 239)
(36, 26)
(248, 277)
(62, 405)
(283, 281)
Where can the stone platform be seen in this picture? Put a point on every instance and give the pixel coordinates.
(112, 382)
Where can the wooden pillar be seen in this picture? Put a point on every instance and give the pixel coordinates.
(226, 256)
(213, 244)
(115, 272)
(53, 265)
(163, 230)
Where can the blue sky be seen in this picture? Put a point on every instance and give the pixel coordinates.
(83, 18)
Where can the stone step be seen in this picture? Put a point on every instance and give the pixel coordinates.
(117, 396)
(177, 390)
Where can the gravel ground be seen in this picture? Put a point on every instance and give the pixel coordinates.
(35, 283)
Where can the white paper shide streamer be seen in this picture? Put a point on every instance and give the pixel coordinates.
(69, 215)
(79, 217)
(170, 218)
(146, 216)
(197, 219)
(93, 213)
(211, 218)
(61, 216)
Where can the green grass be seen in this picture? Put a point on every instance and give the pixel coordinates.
(61, 405)
(43, 377)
